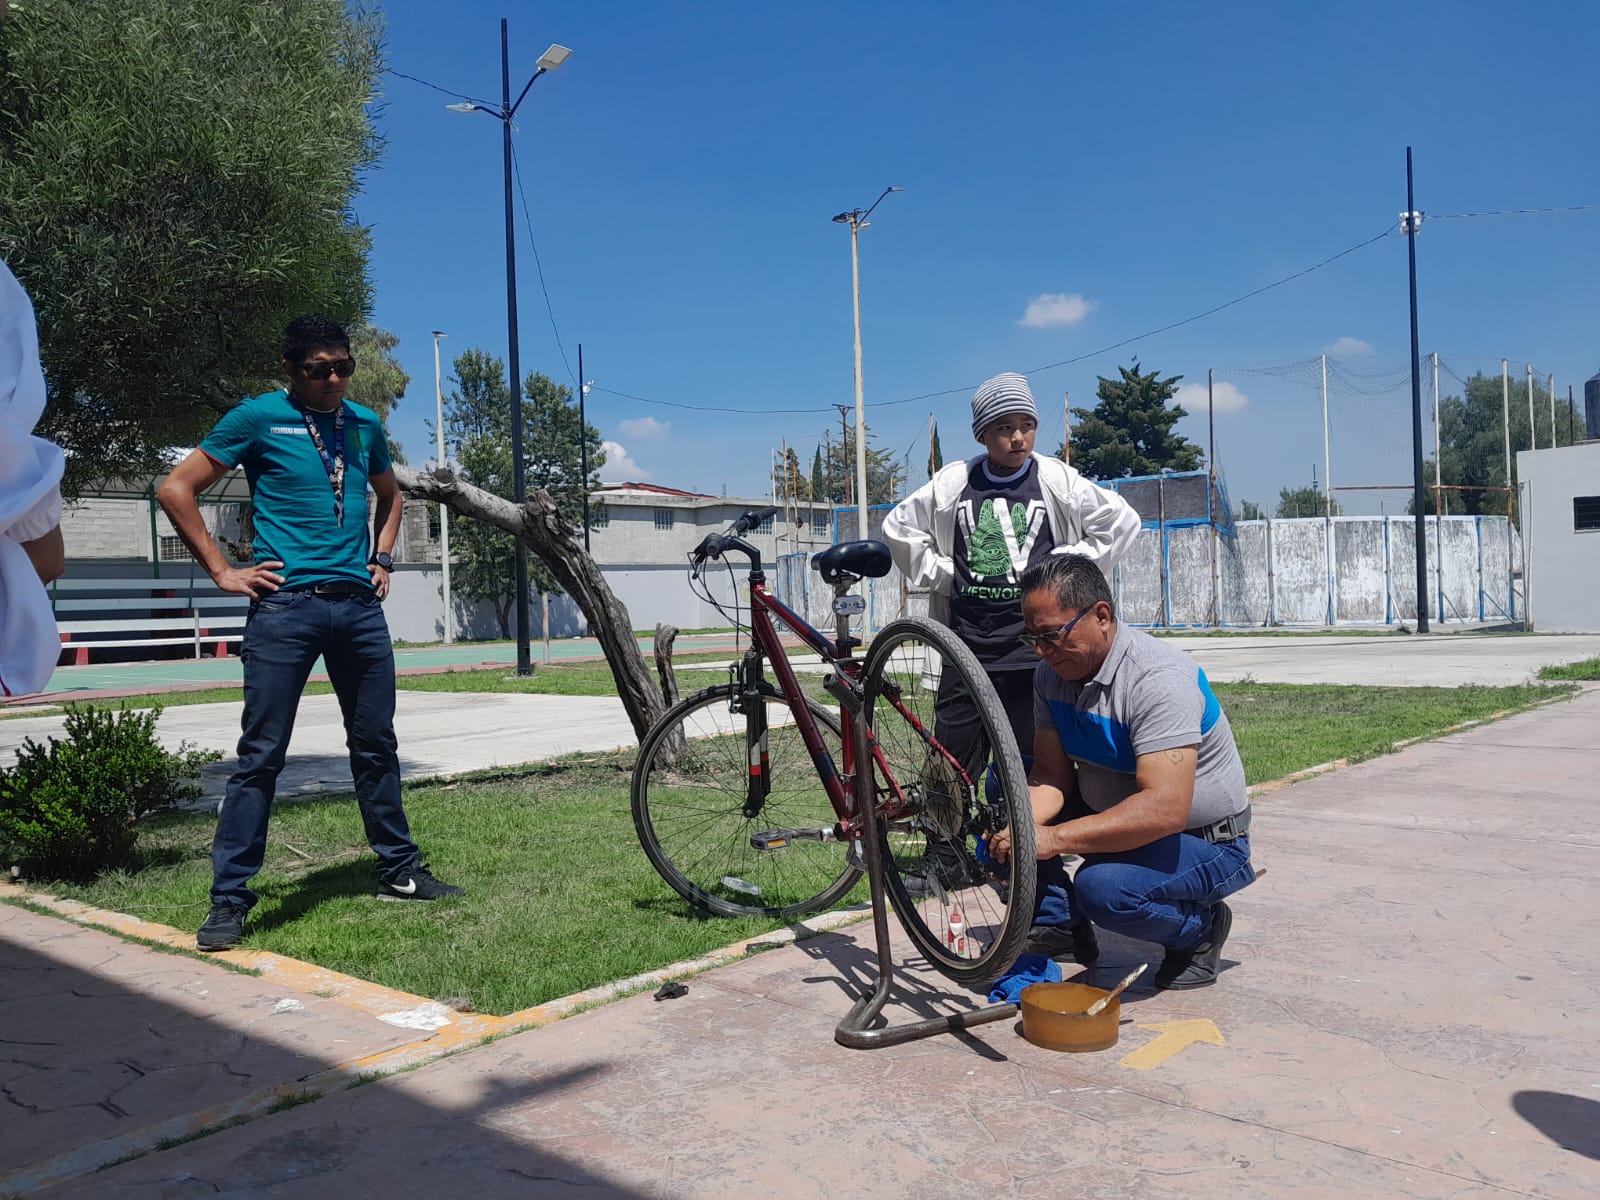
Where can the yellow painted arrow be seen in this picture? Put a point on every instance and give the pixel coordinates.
(1175, 1035)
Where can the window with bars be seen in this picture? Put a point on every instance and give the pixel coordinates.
(821, 524)
(1585, 513)
(599, 517)
(765, 526)
(664, 518)
(172, 549)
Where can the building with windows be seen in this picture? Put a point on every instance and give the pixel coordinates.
(640, 535)
(1558, 494)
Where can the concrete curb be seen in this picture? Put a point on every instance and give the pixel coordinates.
(456, 1031)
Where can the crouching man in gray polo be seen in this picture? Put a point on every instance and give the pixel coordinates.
(1134, 769)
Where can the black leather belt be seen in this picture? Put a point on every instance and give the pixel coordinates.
(339, 589)
(1225, 830)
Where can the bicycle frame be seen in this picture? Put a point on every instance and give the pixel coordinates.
(845, 687)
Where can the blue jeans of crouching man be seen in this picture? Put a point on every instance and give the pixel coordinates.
(285, 633)
(1161, 893)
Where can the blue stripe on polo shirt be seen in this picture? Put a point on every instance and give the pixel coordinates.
(1094, 738)
(1213, 710)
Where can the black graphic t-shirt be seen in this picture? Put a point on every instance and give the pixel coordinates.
(1001, 530)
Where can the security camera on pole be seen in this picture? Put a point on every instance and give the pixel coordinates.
(857, 220)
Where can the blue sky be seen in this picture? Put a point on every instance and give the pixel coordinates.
(1132, 164)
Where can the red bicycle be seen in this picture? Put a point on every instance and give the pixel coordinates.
(743, 794)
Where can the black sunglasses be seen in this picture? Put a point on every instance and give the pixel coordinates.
(319, 371)
(1053, 638)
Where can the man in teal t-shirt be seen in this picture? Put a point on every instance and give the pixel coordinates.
(315, 590)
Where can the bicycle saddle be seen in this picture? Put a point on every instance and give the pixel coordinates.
(864, 560)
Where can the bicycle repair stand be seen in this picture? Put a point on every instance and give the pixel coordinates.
(856, 1031)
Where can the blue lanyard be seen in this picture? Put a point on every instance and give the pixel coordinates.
(333, 464)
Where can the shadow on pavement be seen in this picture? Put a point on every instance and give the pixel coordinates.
(1571, 1122)
(89, 1055)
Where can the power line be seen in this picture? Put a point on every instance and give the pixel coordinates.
(527, 217)
(1048, 366)
(441, 90)
(1511, 212)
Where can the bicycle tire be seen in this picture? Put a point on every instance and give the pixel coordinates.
(690, 814)
(995, 900)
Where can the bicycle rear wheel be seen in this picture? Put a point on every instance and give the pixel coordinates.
(966, 913)
(695, 820)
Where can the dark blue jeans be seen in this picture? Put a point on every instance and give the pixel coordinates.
(1161, 893)
(285, 633)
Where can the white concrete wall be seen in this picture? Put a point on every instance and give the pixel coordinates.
(1563, 563)
(1276, 573)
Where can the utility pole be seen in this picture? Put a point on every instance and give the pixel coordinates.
(1411, 222)
(1533, 429)
(1505, 424)
(583, 446)
(505, 114)
(1066, 437)
(857, 220)
(844, 446)
(1550, 385)
(444, 512)
(1438, 496)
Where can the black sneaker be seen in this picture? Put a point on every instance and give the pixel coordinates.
(1197, 968)
(224, 927)
(1062, 942)
(945, 867)
(418, 884)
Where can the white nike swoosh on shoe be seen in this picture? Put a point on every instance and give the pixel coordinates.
(409, 888)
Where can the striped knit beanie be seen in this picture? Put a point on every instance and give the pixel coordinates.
(999, 397)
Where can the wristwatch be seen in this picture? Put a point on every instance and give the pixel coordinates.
(384, 560)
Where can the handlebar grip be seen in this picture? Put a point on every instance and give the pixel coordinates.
(711, 546)
(751, 519)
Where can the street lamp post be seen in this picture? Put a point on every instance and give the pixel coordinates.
(548, 61)
(857, 220)
(444, 512)
(583, 445)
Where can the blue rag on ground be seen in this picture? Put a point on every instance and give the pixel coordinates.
(1030, 968)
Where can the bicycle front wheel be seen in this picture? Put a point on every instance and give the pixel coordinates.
(726, 852)
(966, 913)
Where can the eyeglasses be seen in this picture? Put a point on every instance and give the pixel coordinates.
(319, 371)
(1054, 637)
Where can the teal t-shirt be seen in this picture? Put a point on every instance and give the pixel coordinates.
(290, 490)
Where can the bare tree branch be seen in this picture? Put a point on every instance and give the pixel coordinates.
(559, 544)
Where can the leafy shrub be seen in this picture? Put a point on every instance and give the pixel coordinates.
(67, 810)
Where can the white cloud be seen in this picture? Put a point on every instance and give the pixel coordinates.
(1056, 309)
(1192, 396)
(620, 468)
(644, 428)
(1349, 347)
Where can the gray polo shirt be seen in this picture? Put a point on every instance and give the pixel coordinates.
(1147, 696)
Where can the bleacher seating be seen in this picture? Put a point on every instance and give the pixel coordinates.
(104, 614)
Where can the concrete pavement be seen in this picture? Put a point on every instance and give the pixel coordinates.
(441, 733)
(1395, 660)
(1408, 1011)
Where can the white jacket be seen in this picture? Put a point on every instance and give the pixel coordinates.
(30, 499)
(1085, 518)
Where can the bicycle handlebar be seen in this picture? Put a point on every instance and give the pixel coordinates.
(715, 545)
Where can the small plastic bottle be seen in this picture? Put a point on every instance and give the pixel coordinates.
(956, 933)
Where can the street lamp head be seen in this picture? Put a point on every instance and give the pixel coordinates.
(462, 107)
(553, 57)
(843, 218)
(440, 333)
